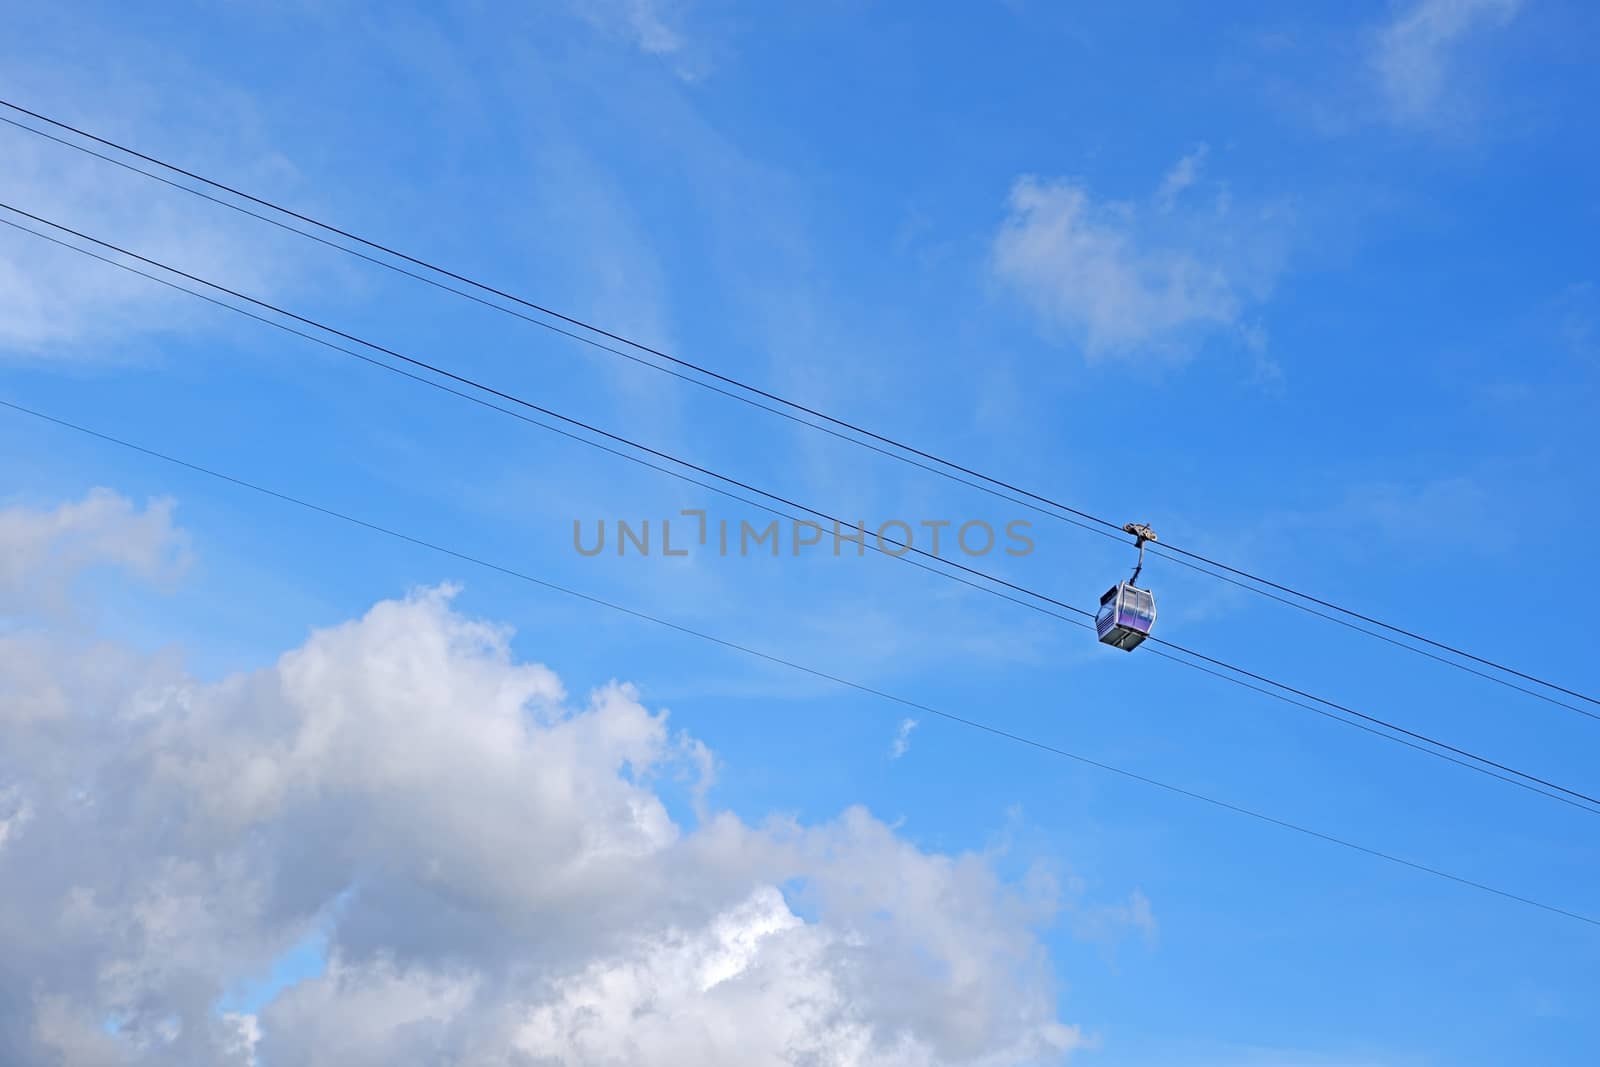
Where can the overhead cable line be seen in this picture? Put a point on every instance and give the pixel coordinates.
(1098, 523)
(779, 512)
(768, 657)
(1095, 522)
(1481, 763)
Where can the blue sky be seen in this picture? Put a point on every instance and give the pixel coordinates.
(1311, 292)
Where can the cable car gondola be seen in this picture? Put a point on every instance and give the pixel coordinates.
(1127, 612)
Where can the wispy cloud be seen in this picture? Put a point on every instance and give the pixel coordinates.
(1153, 277)
(648, 24)
(656, 28)
(57, 304)
(43, 552)
(1415, 52)
(1106, 924)
(1183, 174)
(1577, 319)
(902, 738)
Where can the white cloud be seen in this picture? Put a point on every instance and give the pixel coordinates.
(1106, 923)
(902, 738)
(14, 813)
(755, 986)
(1183, 174)
(1414, 53)
(655, 27)
(649, 27)
(495, 864)
(1122, 278)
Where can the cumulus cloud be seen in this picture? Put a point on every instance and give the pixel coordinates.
(1122, 277)
(1413, 53)
(493, 862)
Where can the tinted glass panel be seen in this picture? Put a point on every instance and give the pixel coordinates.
(1138, 610)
